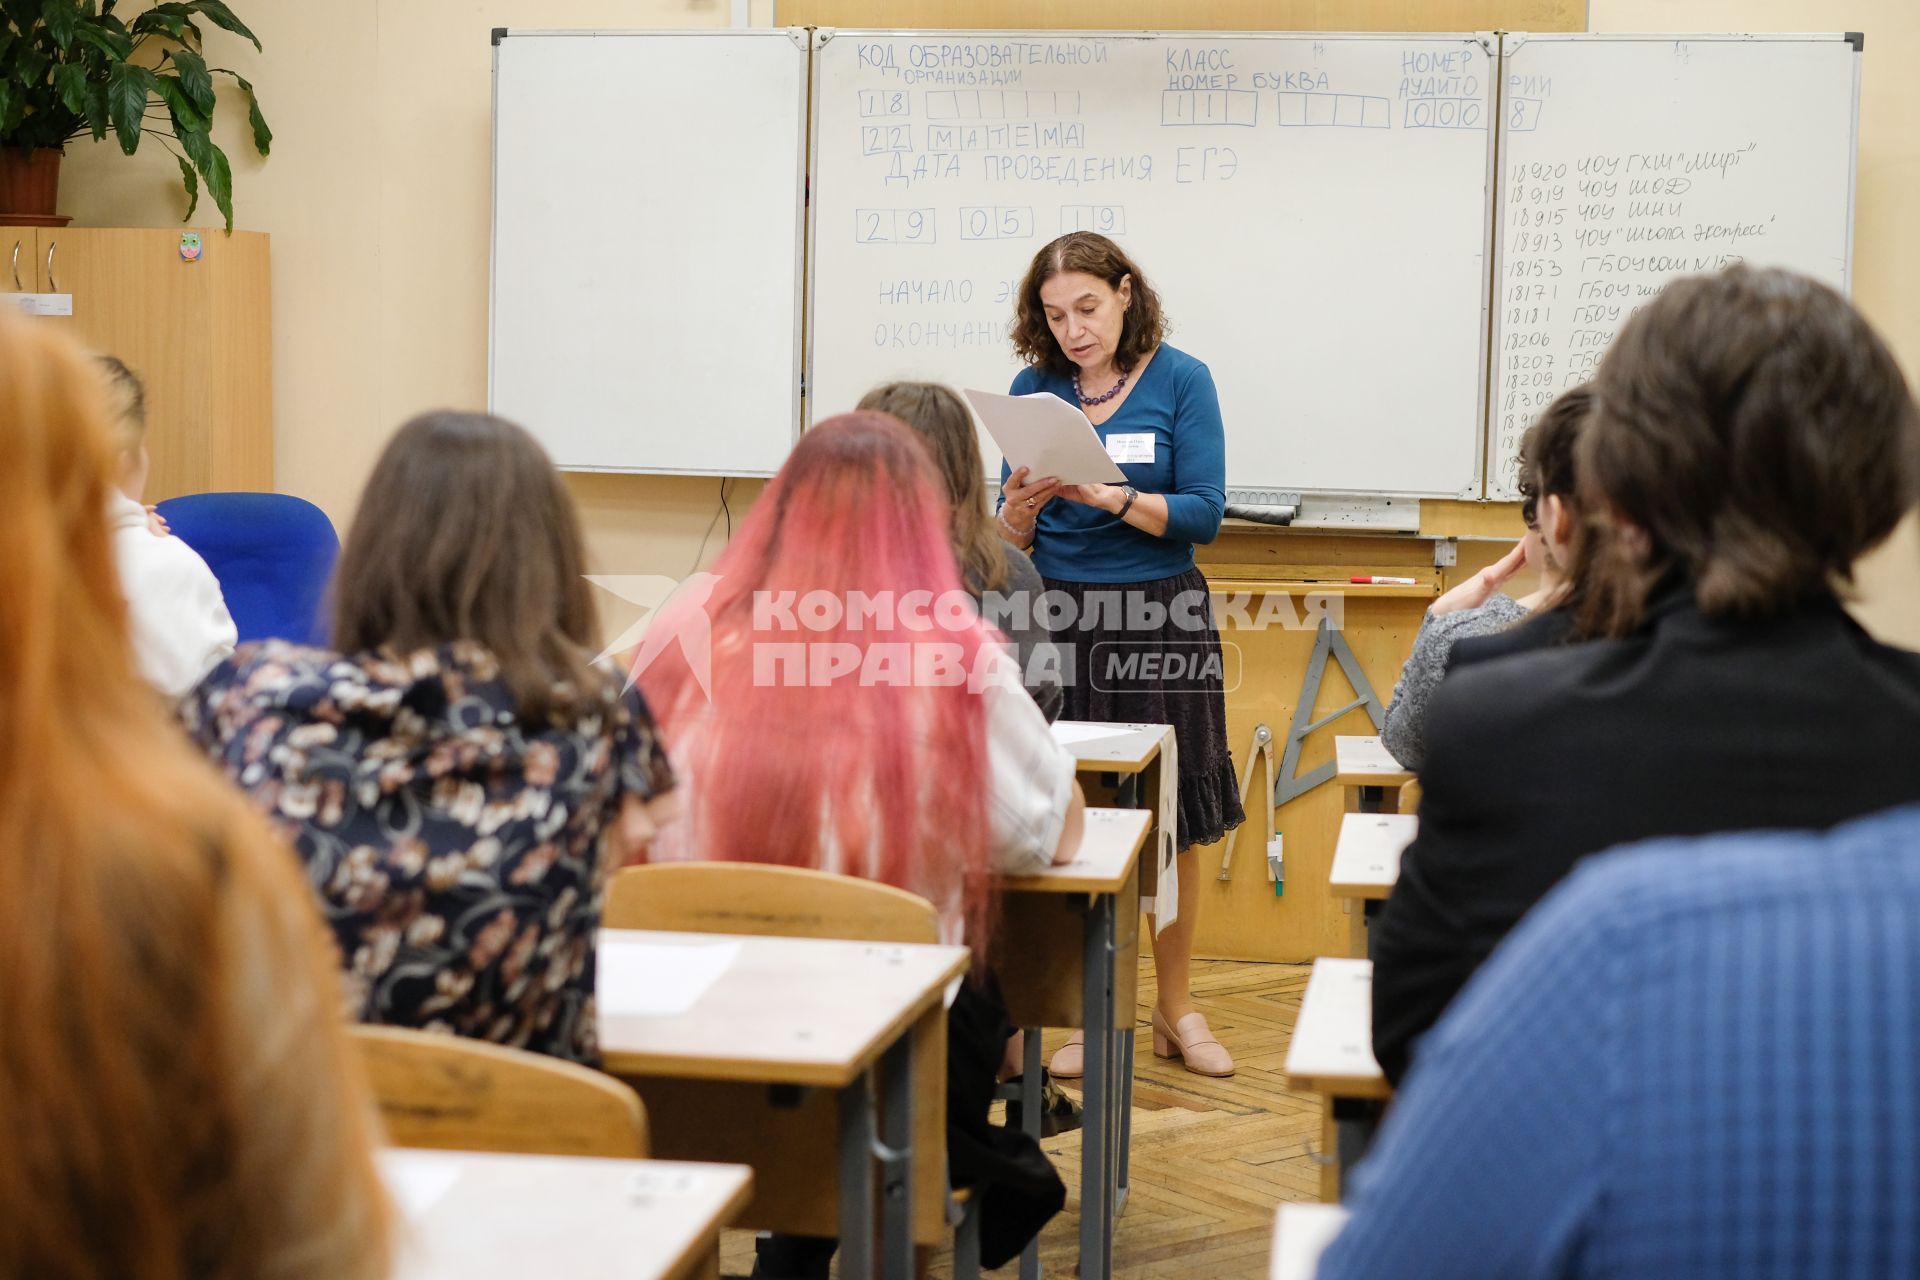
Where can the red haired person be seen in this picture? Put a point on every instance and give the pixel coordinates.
(904, 749)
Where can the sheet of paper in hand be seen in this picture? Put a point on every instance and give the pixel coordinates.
(1046, 435)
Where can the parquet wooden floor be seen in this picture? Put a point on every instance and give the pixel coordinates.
(1211, 1158)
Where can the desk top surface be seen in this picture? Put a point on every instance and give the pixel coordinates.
(473, 1216)
(1331, 1050)
(1301, 1233)
(1117, 748)
(1106, 857)
(1365, 761)
(804, 1011)
(1366, 857)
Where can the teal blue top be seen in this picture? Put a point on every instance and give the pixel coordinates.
(1175, 402)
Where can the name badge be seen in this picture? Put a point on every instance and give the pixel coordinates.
(1131, 447)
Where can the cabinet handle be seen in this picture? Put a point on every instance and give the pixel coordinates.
(53, 286)
(16, 268)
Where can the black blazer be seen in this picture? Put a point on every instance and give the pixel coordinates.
(1689, 726)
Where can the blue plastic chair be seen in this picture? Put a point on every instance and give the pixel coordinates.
(272, 555)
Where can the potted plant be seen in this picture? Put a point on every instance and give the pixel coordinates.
(73, 67)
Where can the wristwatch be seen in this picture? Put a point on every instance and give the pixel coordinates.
(1127, 506)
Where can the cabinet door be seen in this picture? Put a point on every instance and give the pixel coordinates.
(134, 298)
(19, 259)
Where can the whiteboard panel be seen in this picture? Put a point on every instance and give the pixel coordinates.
(1628, 161)
(647, 237)
(1314, 210)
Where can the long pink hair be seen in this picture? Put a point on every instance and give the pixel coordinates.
(892, 772)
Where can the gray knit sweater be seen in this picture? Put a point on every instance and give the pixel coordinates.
(1405, 733)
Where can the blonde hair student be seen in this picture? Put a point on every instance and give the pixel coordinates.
(177, 1098)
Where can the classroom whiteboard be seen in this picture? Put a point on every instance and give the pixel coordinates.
(1314, 210)
(648, 215)
(1628, 161)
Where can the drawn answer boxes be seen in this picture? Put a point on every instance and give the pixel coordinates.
(1335, 111)
(996, 223)
(1190, 107)
(1107, 219)
(1001, 104)
(894, 226)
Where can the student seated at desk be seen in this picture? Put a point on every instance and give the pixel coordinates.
(1000, 577)
(1477, 607)
(178, 615)
(177, 1098)
(1696, 1058)
(1752, 437)
(460, 779)
(897, 746)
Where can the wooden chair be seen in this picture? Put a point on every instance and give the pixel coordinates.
(457, 1094)
(792, 902)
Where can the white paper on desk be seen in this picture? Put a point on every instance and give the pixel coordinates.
(1068, 732)
(1046, 435)
(417, 1182)
(657, 980)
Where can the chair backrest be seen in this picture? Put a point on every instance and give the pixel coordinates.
(272, 555)
(457, 1094)
(765, 901)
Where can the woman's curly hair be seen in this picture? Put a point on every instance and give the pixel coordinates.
(1143, 328)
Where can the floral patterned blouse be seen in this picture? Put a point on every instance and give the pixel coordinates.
(456, 852)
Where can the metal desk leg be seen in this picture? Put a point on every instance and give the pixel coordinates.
(856, 1180)
(1032, 1098)
(1096, 1209)
(896, 1184)
(1126, 1112)
(1355, 1121)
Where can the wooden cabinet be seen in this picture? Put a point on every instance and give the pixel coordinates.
(199, 334)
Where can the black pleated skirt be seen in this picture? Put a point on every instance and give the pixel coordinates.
(1149, 652)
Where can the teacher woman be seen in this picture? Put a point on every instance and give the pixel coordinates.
(1140, 644)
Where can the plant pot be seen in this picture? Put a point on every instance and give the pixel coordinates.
(30, 187)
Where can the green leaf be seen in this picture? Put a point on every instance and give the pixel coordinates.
(128, 88)
(70, 81)
(161, 22)
(114, 44)
(220, 16)
(213, 166)
(192, 182)
(195, 79)
(187, 117)
(97, 111)
(262, 136)
(61, 17)
(30, 68)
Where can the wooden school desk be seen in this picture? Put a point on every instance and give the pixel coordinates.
(1368, 774)
(1331, 1054)
(1301, 1233)
(1366, 862)
(472, 1216)
(786, 1017)
(1054, 975)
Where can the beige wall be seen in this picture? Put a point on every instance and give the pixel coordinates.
(1886, 237)
(377, 200)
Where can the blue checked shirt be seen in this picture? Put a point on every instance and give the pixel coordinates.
(1695, 1059)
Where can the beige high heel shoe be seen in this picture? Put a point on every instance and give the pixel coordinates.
(1069, 1061)
(1192, 1042)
